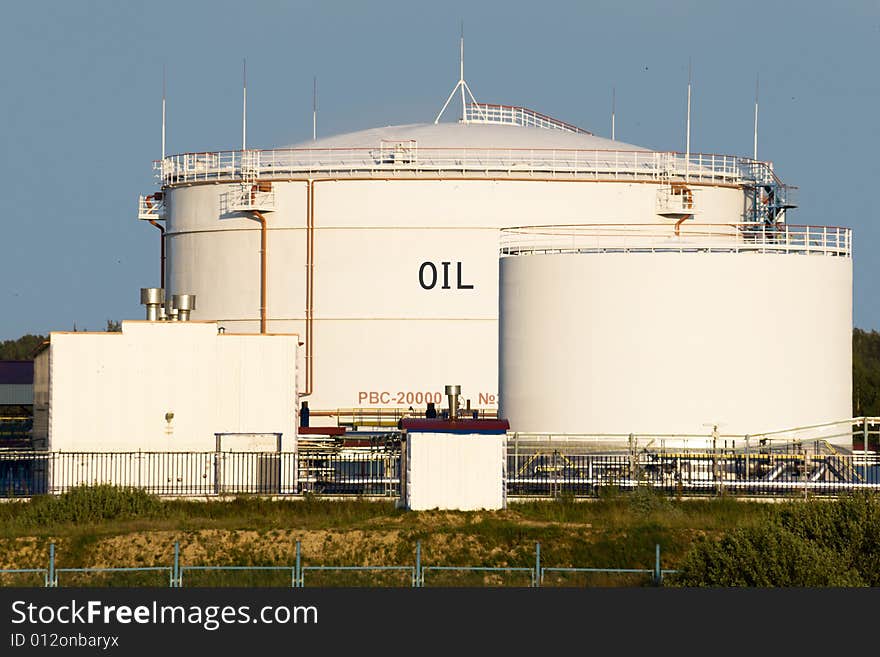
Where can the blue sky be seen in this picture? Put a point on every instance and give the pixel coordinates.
(81, 107)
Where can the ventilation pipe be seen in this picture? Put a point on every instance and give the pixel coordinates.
(170, 310)
(453, 392)
(184, 304)
(153, 298)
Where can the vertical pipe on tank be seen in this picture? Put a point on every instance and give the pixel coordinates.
(310, 284)
(161, 253)
(263, 261)
(680, 222)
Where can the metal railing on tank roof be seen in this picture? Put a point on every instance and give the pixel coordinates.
(520, 116)
(599, 165)
(679, 237)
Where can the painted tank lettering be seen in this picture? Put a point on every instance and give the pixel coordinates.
(433, 269)
(399, 398)
(374, 397)
(415, 398)
(461, 284)
(428, 276)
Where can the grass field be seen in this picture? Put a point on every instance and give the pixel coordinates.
(105, 527)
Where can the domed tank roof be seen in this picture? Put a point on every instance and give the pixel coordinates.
(470, 135)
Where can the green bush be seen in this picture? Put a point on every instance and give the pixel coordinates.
(766, 556)
(89, 504)
(849, 526)
(646, 500)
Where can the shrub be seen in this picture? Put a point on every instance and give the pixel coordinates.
(765, 556)
(87, 504)
(849, 526)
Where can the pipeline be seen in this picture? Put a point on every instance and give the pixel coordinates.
(680, 222)
(161, 253)
(263, 260)
(310, 286)
(687, 197)
(149, 201)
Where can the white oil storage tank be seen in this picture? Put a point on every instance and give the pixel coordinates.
(650, 330)
(380, 247)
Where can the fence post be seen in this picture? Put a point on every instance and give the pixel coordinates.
(806, 469)
(418, 580)
(175, 573)
(297, 581)
(538, 576)
(52, 580)
(658, 573)
(748, 474)
(632, 457)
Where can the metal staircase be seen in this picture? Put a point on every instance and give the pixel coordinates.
(770, 197)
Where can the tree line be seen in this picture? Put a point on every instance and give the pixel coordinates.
(25, 347)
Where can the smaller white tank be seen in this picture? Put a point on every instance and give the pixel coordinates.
(747, 331)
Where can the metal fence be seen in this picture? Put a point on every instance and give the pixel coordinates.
(553, 473)
(26, 473)
(800, 460)
(537, 466)
(177, 574)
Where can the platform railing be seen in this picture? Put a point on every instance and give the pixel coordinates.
(520, 116)
(677, 237)
(236, 165)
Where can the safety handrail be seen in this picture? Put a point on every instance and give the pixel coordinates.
(515, 115)
(678, 238)
(598, 164)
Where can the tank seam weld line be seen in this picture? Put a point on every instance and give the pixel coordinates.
(303, 228)
(361, 319)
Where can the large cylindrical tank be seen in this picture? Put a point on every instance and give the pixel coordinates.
(381, 245)
(675, 334)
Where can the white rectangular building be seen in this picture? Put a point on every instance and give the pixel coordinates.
(454, 465)
(169, 387)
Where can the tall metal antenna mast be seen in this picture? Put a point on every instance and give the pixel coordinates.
(687, 162)
(461, 69)
(314, 108)
(244, 104)
(612, 113)
(461, 84)
(163, 112)
(755, 150)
